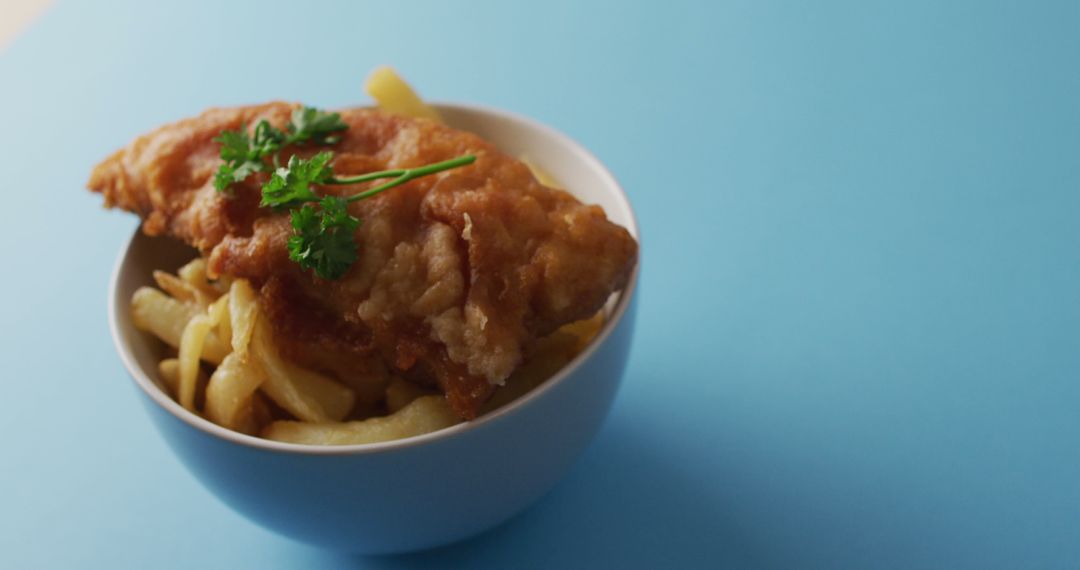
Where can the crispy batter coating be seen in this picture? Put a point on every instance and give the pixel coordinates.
(457, 272)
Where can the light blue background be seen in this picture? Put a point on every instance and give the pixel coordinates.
(858, 343)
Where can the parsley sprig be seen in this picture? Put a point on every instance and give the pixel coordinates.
(246, 154)
(323, 229)
(323, 237)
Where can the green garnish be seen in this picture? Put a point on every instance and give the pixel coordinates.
(311, 124)
(322, 237)
(245, 155)
(323, 229)
(323, 240)
(291, 185)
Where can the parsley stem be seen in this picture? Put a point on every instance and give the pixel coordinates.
(400, 176)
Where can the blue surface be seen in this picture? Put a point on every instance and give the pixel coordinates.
(858, 338)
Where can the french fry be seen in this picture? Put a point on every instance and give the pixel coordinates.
(242, 314)
(542, 176)
(161, 315)
(546, 357)
(423, 415)
(230, 390)
(166, 318)
(191, 347)
(194, 273)
(169, 371)
(254, 415)
(585, 330)
(181, 290)
(549, 355)
(308, 395)
(223, 329)
(394, 95)
(401, 393)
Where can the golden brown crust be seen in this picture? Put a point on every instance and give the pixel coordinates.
(457, 271)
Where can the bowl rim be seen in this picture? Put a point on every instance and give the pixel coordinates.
(163, 400)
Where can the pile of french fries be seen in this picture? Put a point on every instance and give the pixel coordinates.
(220, 324)
(224, 366)
(219, 327)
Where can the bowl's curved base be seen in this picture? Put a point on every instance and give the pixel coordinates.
(414, 497)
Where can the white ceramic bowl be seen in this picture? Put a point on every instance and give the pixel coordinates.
(423, 491)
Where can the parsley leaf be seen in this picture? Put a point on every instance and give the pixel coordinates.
(237, 153)
(228, 174)
(245, 154)
(323, 239)
(311, 124)
(235, 145)
(291, 185)
(267, 139)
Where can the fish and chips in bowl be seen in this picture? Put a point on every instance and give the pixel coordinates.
(375, 329)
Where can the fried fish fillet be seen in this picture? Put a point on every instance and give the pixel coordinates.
(457, 272)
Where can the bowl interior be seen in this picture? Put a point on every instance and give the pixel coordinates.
(568, 162)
